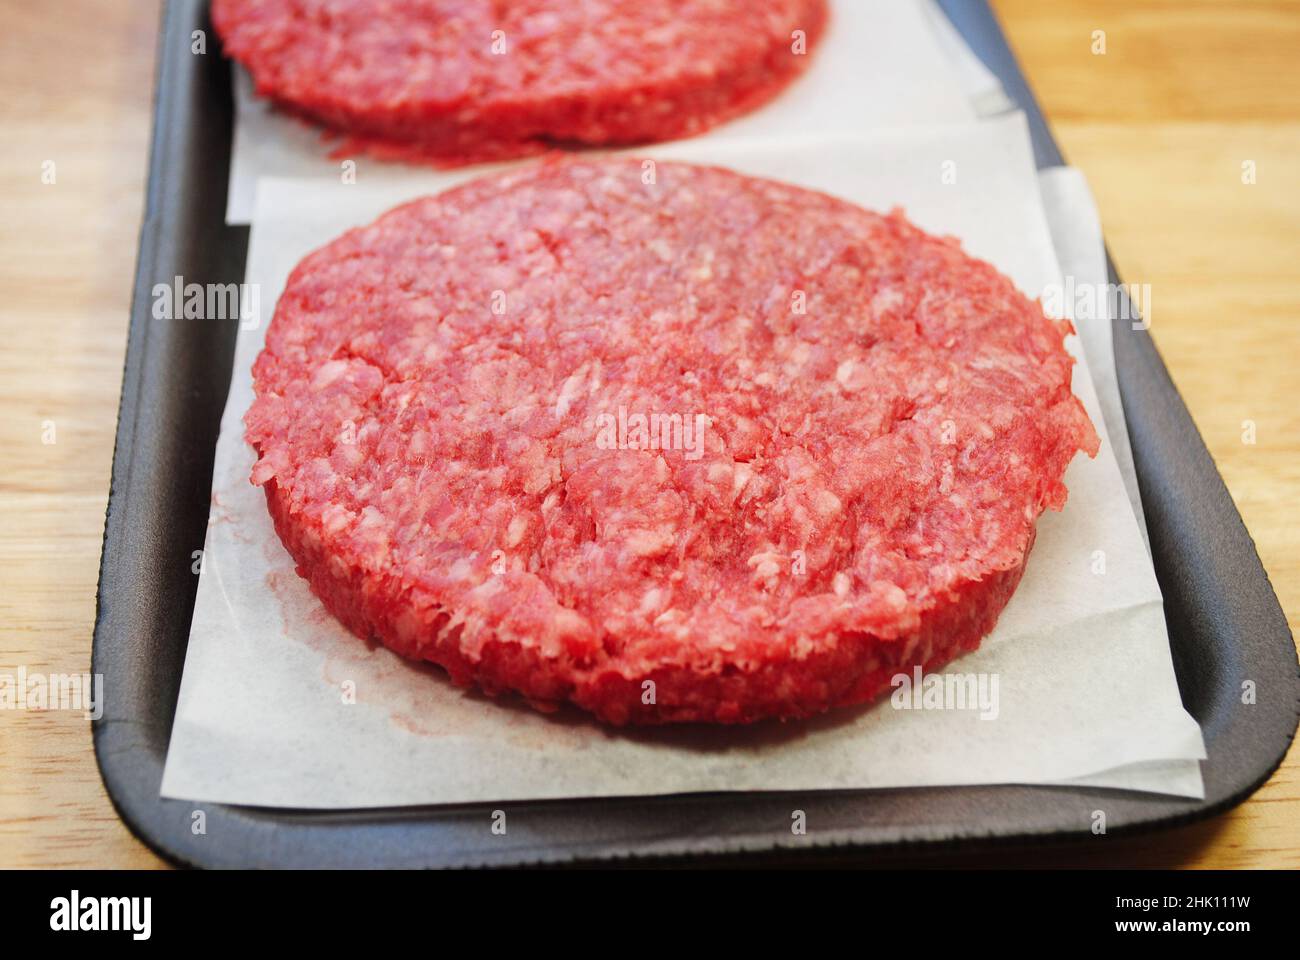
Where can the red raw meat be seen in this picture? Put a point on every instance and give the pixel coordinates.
(445, 430)
(456, 81)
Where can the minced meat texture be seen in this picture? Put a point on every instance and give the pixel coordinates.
(871, 422)
(456, 81)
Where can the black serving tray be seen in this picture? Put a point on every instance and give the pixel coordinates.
(1225, 625)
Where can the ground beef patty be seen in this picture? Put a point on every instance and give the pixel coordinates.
(446, 427)
(466, 80)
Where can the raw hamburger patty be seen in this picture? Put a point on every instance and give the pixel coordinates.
(445, 416)
(465, 80)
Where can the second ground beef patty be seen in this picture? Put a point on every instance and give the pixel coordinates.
(671, 443)
(465, 80)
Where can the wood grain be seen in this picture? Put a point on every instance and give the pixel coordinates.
(78, 78)
(1161, 123)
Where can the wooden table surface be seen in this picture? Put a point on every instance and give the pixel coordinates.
(1161, 123)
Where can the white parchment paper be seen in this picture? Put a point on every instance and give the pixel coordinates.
(1086, 689)
(982, 88)
(1081, 252)
(881, 64)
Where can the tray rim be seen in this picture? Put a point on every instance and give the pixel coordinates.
(123, 752)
